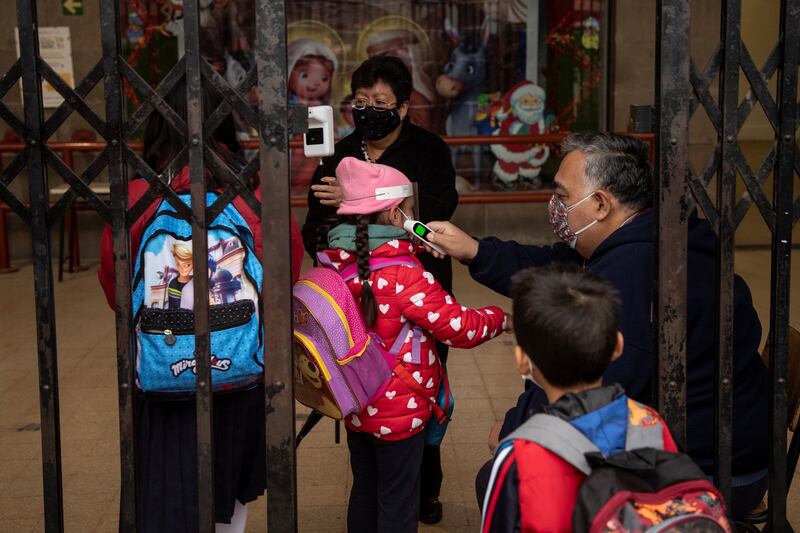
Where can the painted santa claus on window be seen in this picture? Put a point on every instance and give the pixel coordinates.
(522, 114)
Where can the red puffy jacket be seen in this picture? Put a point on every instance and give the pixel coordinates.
(533, 490)
(402, 294)
(137, 188)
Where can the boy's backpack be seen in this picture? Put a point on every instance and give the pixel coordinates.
(340, 365)
(163, 297)
(641, 489)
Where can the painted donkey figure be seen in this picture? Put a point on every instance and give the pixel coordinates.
(462, 80)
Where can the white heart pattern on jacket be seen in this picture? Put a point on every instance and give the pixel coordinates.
(417, 299)
(403, 319)
(391, 394)
(433, 317)
(399, 288)
(415, 423)
(448, 300)
(384, 308)
(431, 357)
(455, 323)
(382, 283)
(485, 332)
(489, 312)
(412, 403)
(385, 430)
(429, 384)
(394, 243)
(355, 421)
(371, 410)
(427, 275)
(407, 357)
(471, 334)
(417, 376)
(344, 255)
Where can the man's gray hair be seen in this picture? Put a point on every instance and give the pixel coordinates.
(615, 163)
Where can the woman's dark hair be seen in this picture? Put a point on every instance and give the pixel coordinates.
(369, 305)
(162, 143)
(390, 70)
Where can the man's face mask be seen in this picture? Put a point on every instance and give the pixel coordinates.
(374, 124)
(559, 218)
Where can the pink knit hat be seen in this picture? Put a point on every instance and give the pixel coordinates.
(370, 187)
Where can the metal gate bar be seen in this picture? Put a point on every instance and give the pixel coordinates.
(672, 166)
(730, 36)
(785, 168)
(42, 267)
(110, 36)
(202, 340)
(275, 215)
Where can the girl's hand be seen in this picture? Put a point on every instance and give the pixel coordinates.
(508, 325)
(329, 194)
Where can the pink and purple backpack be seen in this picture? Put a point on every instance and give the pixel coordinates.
(340, 364)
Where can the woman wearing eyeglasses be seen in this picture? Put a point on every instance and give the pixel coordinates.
(385, 134)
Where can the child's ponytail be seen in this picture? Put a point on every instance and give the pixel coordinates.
(368, 303)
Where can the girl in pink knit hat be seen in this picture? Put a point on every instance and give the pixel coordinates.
(387, 438)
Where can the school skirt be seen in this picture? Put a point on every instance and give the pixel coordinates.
(166, 458)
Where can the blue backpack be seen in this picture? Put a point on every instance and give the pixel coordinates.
(163, 298)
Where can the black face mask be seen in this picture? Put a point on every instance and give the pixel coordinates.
(373, 124)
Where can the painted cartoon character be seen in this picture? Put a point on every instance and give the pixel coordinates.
(182, 253)
(405, 45)
(522, 113)
(311, 65)
(311, 68)
(462, 81)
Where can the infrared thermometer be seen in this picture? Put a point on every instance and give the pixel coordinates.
(318, 142)
(421, 232)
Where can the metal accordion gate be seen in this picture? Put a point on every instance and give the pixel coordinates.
(272, 119)
(682, 88)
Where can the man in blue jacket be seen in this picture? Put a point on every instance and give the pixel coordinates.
(601, 210)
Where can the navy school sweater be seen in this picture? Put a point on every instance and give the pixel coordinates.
(626, 260)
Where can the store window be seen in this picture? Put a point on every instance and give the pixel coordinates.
(479, 68)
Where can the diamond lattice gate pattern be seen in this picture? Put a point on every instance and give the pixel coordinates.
(683, 89)
(195, 130)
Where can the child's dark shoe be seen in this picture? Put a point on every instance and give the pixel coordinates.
(430, 511)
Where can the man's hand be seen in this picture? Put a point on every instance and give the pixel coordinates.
(453, 241)
(494, 436)
(330, 193)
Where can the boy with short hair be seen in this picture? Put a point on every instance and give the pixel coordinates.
(566, 326)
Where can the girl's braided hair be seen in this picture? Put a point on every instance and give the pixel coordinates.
(369, 304)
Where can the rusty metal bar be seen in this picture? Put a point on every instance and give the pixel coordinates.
(672, 168)
(202, 350)
(275, 218)
(27, 23)
(118, 181)
(781, 261)
(730, 34)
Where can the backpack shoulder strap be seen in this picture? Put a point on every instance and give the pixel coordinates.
(559, 437)
(644, 430)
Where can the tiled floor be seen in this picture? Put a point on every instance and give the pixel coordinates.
(484, 381)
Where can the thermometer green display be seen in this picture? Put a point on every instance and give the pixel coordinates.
(422, 232)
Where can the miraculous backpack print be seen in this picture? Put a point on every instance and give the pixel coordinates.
(163, 298)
